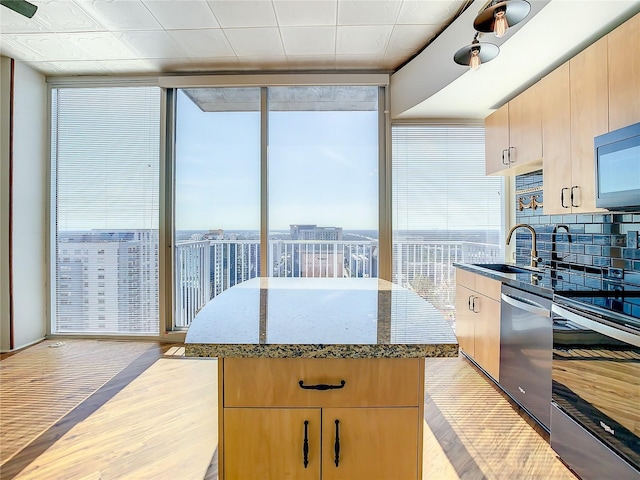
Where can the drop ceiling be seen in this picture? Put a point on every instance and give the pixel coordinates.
(152, 37)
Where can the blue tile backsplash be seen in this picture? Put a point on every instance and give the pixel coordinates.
(602, 246)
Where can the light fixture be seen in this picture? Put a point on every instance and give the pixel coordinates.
(499, 15)
(476, 53)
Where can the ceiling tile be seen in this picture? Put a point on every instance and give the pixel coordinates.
(264, 62)
(81, 67)
(100, 45)
(428, 12)
(244, 13)
(183, 14)
(12, 22)
(357, 61)
(255, 41)
(46, 68)
(368, 12)
(363, 40)
(153, 44)
(303, 62)
(203, 43)
(42, 47)
(65, 16)
(119, 15)
(294, 13)
(309, 40)
(409, 39)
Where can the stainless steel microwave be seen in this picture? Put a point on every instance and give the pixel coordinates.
(617, 156)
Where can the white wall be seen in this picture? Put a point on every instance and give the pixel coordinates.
(30, 172)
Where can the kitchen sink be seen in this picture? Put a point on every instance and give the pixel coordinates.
(505, 268)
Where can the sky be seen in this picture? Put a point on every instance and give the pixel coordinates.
(322, 169)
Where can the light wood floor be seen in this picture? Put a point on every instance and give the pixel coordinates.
(163, 425)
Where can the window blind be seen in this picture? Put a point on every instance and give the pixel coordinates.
(105, 209)
(444, 208)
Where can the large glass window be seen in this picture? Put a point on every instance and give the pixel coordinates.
(217, 194)
(323, 181)
(321, 175)
(445, 209)
(105, 158)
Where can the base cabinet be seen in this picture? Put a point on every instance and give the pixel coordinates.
(478, 319)
(273, 428)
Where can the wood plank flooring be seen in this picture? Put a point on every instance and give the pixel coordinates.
(39, 385)
(163, 425)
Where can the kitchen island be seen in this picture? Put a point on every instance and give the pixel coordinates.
(320, 378)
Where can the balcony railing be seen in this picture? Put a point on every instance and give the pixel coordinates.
(206, 268)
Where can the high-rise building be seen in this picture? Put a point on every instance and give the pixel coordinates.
(107, 281)
(313, 232)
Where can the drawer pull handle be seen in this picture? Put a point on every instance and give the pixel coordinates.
(305, 446)
(321, 386)
(336, 445)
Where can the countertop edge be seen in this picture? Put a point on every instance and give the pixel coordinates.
(321, 350)
(507, 278)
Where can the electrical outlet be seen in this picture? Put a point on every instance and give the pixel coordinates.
(616, 273)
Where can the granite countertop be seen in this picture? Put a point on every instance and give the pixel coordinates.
(320, 318)
(539, 283)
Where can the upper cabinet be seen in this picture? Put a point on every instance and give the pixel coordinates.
(513, 136)
(624, 74)
(589, 118)
(556, 144)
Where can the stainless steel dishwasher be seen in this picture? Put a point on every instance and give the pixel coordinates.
(526, 344)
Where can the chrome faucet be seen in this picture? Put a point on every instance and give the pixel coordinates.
(534, 247)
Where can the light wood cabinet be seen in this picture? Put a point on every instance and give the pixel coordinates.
(379, 409)
(478, 319)
(589, 118)
(574, 104)
(624, 74)
(556, 141)
(513, 136)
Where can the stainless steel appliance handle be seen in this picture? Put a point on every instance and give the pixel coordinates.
(527, 306)
(618, 334)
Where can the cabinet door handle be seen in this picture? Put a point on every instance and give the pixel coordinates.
(504, 157)
(562, 197)
(321, 386)
(473, 305)
(572, 196)
(509, 155)
(469, 300)
(305, 445)
(336, 445)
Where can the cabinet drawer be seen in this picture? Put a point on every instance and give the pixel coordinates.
(466, 279)
(274, 382)
(489, 287)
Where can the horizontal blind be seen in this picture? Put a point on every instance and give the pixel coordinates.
(105, 176)
(444, 208)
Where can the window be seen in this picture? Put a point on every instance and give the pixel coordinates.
(105, 157)
(321, 173)
(445, 209)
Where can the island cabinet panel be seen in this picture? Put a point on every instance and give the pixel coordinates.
(275, 382)
(624, 74)
(589, 118)
(374, 443)
(268, 443)
(380, 411)
(478, 319)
